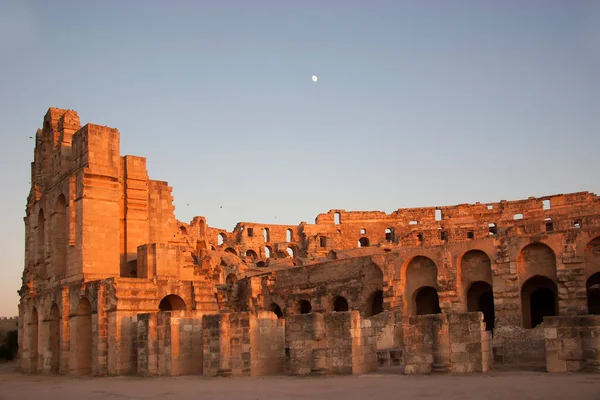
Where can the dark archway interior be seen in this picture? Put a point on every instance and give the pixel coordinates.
(274, 307)
(171, 303)
(340, 304)
(539, 299)
(363, 242)
(480, 297)
(305, 307)
(427, 301)
(376, 303)
(593, 294)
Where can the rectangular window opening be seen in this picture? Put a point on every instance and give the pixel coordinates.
(322, 241)
(337, 218)
(250, 232)
(517, 216)
(420, 237)
(493, 229)
(549, 226)
(444, 235)
(438, 215)
(470, 235)
(546, 205)
(413, 222)
(577, 224)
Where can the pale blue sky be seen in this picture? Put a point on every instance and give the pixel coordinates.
(418, 103)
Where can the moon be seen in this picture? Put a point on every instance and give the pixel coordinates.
(314, 78)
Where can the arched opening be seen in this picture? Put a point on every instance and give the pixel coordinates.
(171, 302)
(480, 297)
(60, 237)
(375, 303)
(40, 242)
(183, 230)
(427, 301)
(536, 259)
(33, 341)
(268, 252)
(202, 228)
(251, 254)
(274, 307)
(290, 251)
(593, 294)
(266, 235)
(420, 273)
(288, 235)
(54, 339)
(230, 250)
(261, 264)
(230, 280)
(221, 239)
(83, 341)
(539, 299)
(389, 234)
(304, 306)
(363, 242)
(340, 304)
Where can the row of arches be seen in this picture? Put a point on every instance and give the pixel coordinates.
(373, 307)
(536, 268)
(82, 339)
(58, 238)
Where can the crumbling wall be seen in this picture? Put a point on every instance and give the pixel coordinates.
(337, 343)
(572, 343)
(243, 344)
(455, 343)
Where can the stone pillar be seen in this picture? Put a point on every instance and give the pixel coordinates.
(441, 344)
(224, 346)
(65, 333)
(319, 352)
(590, 343)
(101, 361)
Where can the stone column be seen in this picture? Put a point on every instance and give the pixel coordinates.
(319, 352)
(65, 333)
(441, 344)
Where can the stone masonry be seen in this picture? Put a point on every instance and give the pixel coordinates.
(114, 284)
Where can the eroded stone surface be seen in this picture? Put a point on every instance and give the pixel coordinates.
(104, 254)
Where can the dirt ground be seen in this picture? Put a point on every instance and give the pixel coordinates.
(388, 384)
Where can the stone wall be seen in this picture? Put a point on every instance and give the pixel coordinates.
(243, 344)
(572, 343)
(168, 343)
(455, 343)
(335, 343)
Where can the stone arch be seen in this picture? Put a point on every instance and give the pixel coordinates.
(291, 251)
(83, 337)
(268, 252)
(591, 255)
(251, 254)
(60, 230)
(33, 340)
(171, 302)
(420, 272)
(289, 235)
(202, 228)
(536, 259)
(231, 250)
(539, 298)
(40, 245)
(274, 307)
(340, 304)
(363, 242)
(593, 294)
(304, 307)
(374, 303)
(427, 301)
(480, 297)
(54, 338)
(231, 279)
(221, 239)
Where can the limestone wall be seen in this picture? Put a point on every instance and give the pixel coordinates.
(337, 343)
(243, 344)
(572, 343)
(455, 343)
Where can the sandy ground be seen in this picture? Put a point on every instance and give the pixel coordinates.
(386, 384)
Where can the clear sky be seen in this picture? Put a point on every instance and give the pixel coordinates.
(418, 103)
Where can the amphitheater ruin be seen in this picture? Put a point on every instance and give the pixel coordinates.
(114, 284)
